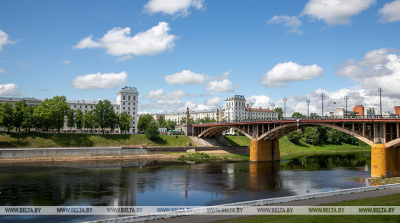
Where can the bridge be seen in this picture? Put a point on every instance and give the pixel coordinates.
(381, 133)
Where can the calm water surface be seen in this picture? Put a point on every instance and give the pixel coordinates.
(141, 183)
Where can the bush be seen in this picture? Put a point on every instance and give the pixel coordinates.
(152, 131)
(295, 136)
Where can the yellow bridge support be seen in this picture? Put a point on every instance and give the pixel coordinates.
(264, 150)
(385, 161)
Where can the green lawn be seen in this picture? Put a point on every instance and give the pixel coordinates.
(34, 140)
(389, 200)
(287, 148)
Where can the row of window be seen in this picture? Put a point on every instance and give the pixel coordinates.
(230, 104)
(129, 98)
(123, 103)
(129, 108)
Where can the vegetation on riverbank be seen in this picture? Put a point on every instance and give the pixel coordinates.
(383, 181)
(35, 140)
(204, 156)
(288, 148)
(389, 200)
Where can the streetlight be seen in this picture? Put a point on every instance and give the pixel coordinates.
(380, 98)
(273, 106)
(322, 97)
(308, 107)
(284, 102)
(345, 98)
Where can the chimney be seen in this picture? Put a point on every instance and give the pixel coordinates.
(247, 106)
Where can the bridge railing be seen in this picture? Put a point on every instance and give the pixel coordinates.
(307, 118)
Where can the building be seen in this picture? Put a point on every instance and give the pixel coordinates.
(29, 101)
(359, 109)
(369, 112)
(397, 110)
(195, 115)
(364, 112)
(237, 109)
(341, 112)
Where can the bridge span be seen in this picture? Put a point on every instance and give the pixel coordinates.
(382, 134)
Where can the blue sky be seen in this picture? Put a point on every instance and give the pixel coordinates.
(196, 53)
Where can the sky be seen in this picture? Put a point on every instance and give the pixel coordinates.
(196, 53)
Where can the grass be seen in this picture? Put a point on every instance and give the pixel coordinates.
(389, 200)
(238, 140)
(202, 156)
(34, 140)
(382, 181)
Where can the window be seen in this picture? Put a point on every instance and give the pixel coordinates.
(129, 103)
(74, 106)
(133, 108)
(134, 98)
(123, 108)
(80, 106)
(91, 107)
(123, 103)
(85, 106)
(129, 108)
(236, 104)
(133, 112)
(134, 103)
(129, 113)
(129, 98)
(123, 97)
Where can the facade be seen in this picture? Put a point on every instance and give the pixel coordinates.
(29, 101)
(359, 109)
(237, 109)
(397, 110)
(369, 112)
(196, 115)
(341, 112)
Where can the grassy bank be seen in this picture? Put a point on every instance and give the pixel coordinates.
(389, 200)
(207, 156)
(33, 140)
(288, 148)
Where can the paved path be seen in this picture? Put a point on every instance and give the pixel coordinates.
(309, 202)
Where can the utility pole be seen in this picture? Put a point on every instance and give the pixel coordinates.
(345, 98)
(273, 106)
(284, 102)
(308, 107)
(322, 97)
(380, 98)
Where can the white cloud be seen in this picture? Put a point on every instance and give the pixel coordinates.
(214, 101)
(21, 64)
(169, 101)
(126, 57)
(186, 77)
(100, 81)
(260, 101)
(289, 21)
(284, 73)
(66, 61)
(173, 7)
(117, 41)
(378, 68)
(390, 12)
(5, 39)
(2, 71)
(220, 77)
(220, 86)
(10, 90)
(1, 61)
(335, 11)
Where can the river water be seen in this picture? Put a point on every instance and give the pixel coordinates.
(148, 183)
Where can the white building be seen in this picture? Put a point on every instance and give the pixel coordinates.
(196, 115)
(341, 112)
(237, 109)
(369, 111)
(29, 101)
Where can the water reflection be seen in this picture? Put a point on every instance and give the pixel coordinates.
(130, 183)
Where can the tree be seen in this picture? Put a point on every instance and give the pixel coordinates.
(152, 131)
(311, 135)
(88, 120)
(58, 110)
(313, 115)
(29, 120)
(201, 120)
(70, 119)
(297, 115)
(42, 115)
(7, 116)
(161, 122)
(104, 114)
(144, 120)
(125, 121)
(191, 120)
(280, 112)
(295, 136)
(332, 136)
(170, 124)
(79, 121)
(18, 114)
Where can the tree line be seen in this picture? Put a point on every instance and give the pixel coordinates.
(53, 113)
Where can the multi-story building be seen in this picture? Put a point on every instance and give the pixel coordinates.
(195, 115)
(237, 109)
(29, 101)
(363, 111)
(341, 112)
(397, 110)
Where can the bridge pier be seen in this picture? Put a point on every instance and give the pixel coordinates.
(264, 150)
(385, 161)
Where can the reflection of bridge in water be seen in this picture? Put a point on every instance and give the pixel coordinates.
(382, 134)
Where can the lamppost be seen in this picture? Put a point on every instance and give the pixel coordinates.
(345, 98)
(273, 106)
(284, 102)
(322, 98)
(308, 107)
(380, 98)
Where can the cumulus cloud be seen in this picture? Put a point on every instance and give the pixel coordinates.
(390, 12)
(185, 77)
(378, 68)
(10, 90)
(260, 101)
(2, 71)
(5, 39)
(220, 86)
(159, 99)
(173, 7)
(214, 101)
(117, 41)
(100, 81)
(66, 61)
(289, 21)
(335, 11)
(126, 57)
(284, 73)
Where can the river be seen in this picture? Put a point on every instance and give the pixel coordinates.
(143, 183)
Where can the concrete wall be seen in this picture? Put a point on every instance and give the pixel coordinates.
(99, 151)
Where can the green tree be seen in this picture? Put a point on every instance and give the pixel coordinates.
(201, 120)
(79, 119)
(313, 115)
(144, 120)
(207, 119)
(29, 120)
(280, 112)
(183, 120)
(104, 114)
(88, 120)
(297, 115)
(42, 115)
(18, 114)
(58, 110)
(170, 124)
(332, 136)
(311, 135)
(161, 122)
(125, 122)
(295, 136)
(152, 131)
(70, 119)
(7, 116)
